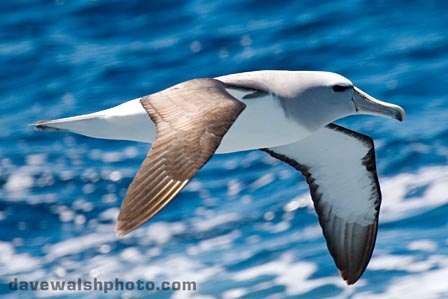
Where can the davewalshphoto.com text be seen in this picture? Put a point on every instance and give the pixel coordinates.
(95, 284)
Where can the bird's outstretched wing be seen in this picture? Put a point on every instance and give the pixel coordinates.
(339, 167)
(191, 120)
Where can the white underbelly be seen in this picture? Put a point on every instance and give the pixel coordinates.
(262, 124)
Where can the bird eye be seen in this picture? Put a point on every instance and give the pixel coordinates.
(339, 88)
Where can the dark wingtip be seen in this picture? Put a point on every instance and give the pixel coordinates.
(350, 279)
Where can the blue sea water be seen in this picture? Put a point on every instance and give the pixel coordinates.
(245, 226)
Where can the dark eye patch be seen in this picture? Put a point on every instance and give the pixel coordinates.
(339, 88)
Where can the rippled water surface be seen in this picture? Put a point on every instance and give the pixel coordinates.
(245, 226)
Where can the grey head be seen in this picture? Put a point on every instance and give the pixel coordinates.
(314, 98)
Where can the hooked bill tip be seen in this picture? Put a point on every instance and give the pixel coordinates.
(366, 104)
(400, 115)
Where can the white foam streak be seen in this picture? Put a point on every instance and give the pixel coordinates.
(289, 273)
(12, 263)
(429, 285)
(203, 225)
(77, 245)
(216, 243)
(396, 206)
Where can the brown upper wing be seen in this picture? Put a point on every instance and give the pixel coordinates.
(191, 120)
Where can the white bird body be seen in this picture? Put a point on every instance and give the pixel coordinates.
(258, 126)
(287, 114)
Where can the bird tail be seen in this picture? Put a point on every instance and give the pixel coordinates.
(69, 124)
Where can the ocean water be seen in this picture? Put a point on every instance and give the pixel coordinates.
(245, 226)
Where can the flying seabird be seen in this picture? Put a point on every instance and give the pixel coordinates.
(287, 114)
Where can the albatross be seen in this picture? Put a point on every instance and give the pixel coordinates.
(287, 114)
